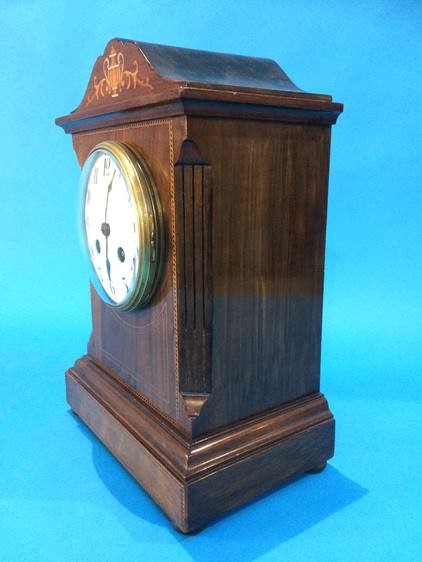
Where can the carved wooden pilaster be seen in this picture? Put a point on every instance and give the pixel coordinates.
(193, 195)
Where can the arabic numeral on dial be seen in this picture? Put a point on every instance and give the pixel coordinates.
(107, 162)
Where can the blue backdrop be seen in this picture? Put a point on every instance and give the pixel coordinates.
(62, 496)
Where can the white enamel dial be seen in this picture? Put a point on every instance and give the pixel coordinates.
(122, 225)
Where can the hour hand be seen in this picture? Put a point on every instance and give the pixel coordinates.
(108, 266)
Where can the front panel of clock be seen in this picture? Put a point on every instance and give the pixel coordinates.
(127, 225)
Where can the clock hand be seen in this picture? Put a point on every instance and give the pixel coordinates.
(108, 265)
(105, 227)
(108, 269)
(108, 194)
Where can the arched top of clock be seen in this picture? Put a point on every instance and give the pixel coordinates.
(218, 69)
(133, 75)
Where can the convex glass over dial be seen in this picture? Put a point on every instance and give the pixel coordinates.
(122, 224)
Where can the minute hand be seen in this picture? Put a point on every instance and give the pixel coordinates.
(105, 227)
(108, 194)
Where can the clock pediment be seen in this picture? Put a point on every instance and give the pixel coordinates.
(121, 75)
(132, 70)
(167, 81)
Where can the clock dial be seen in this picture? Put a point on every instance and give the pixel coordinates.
(122, 225)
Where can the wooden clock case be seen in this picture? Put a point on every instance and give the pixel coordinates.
(210, 395)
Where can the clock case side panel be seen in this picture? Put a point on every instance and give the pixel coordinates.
(270, 183)
(140, 347)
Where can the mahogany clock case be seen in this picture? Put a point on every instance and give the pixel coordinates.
(210, 395)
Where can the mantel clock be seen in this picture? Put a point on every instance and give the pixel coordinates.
(204, 181)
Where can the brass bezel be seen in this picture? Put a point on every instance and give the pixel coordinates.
(149, 218)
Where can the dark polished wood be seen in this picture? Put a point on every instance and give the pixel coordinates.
(193, 198)
(269, 211)
(318, 468)
(210, 395)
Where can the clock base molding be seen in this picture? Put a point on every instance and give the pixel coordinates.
(197, 479)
